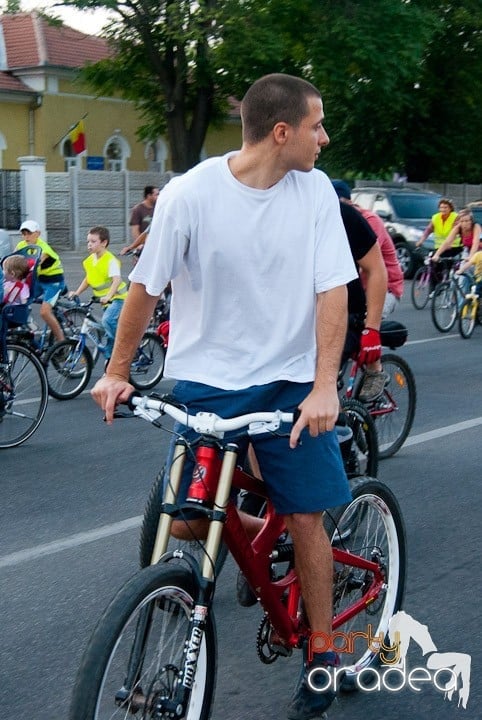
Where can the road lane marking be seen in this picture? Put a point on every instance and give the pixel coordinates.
(69, 542)
(432, 339)
(442, 432)
(83, 538)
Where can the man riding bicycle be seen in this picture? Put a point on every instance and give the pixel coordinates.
(254, 245)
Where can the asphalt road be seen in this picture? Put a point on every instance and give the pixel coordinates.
(73, 495)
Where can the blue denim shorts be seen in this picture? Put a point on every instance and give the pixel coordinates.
(309, 478)
(51, 291)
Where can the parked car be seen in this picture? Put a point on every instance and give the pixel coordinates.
(406, 213)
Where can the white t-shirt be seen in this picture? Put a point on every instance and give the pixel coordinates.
(245, 266)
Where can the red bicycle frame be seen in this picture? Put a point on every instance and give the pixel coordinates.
(254, 558)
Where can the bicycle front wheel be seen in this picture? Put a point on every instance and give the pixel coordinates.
(135, 655)
(73, 319)
(148, 364)
(393, 412)
(421, 288)
(370, 526)
(149, 531)
(23, 396)
(68, 366)
(467, 318)
(444, 307)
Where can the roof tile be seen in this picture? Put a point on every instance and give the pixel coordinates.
(31, 41)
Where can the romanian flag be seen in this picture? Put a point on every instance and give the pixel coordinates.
(77, 138)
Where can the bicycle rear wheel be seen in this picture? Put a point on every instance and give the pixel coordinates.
(370, 526)
(148, 365)
(149, 530)
(68, 366)
(363, 459)
(393, 412)
(468, 318)
(421, 287)
(444, 307)
(23, 396)
(134, 658)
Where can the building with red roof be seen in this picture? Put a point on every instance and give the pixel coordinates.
(42, 103)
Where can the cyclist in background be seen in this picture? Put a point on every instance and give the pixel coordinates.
(365, 302)
(50, 274)
(441, 225)
(259, 261)
(103, 276)
(395, 279)
(469, 233)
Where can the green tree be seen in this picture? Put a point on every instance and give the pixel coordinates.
(180, 61)
(399, 78)
(444, 128)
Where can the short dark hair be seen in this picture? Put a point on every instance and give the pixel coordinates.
(102, 232)
(271, 99)
(446, 201)
(148, 190)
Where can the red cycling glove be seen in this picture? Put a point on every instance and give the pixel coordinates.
(370, 346)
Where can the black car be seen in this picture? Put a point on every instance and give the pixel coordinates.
(406, 213)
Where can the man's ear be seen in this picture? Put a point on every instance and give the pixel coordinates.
(281, 132)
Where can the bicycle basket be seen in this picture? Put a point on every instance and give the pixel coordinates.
(393, 334)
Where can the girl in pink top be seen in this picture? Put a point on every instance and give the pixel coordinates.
(15, 290)
(469, 232)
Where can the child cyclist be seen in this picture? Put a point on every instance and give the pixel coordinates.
(103, 276)
(50, 274)
(475, 260)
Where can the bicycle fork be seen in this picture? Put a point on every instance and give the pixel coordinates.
(178, 705)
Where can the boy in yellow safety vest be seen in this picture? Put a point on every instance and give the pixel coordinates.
(103, 276)
(50, 274)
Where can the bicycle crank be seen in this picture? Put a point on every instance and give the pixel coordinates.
(268, 645)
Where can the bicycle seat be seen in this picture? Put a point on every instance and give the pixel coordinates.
(393, 334)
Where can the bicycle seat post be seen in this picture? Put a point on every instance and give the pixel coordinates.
(170, 498)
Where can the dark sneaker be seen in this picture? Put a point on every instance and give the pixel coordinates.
(245, 595)
(373, 385)
(307, 703)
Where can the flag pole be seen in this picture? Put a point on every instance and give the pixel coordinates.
(69, 130)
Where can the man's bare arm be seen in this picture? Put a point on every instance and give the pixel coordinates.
(376, 285)
(319, 410)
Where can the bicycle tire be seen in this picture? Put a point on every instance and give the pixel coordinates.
(140, 642)
(75, 317)
(371, 526)
(363, 459)
(68, 367)
(444, 307)
(394, 411)
(467, 318)
(420, 289)
(150, 521)
(147, 368)
(23, 396)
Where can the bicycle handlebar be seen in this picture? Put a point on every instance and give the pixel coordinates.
(206, 423)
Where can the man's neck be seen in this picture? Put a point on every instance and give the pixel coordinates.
(257, 168)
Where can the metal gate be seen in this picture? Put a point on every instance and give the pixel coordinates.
(10, 199)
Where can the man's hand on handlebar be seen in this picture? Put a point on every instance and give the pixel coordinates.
(318, 411)
(110, 391)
